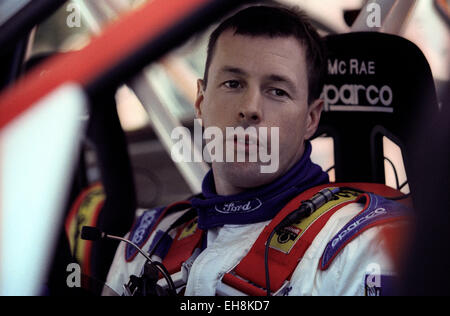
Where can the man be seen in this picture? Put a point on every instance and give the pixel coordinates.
(264, 70)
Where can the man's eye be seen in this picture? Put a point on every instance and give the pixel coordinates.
(278, 92)
(232, 84)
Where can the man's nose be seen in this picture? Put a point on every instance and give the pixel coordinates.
(250, 108)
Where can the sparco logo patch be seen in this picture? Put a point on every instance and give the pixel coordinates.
(145, 222)
(375, 213)
(378, 211)
(141, 231)
(239, 206)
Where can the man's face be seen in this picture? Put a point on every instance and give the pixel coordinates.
(259, 82)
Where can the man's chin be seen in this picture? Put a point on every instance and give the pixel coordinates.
(246, 174)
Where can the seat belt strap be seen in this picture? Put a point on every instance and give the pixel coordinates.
(288, 247)
(187, 239)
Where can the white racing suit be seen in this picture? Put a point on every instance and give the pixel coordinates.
(227, 245)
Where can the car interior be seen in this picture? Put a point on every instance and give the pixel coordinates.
(133, 64)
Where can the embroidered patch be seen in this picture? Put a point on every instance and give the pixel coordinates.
(378, 211)
(141, 231)
(239, 207)
(286, 239)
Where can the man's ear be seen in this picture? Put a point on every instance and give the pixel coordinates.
(312, 122)
(199, 99)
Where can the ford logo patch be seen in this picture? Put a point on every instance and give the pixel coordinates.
(238, 207)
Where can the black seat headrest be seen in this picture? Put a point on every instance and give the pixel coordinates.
(377, 85)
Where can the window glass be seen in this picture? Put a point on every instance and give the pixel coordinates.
(9, 7)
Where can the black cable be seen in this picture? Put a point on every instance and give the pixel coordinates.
(182, 219)
(395, 172)
(167, 276)
(397, 182)
(329, 169)
(403, 184)
(96, 234)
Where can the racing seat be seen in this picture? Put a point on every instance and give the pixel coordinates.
(377, 85)
(381, 85)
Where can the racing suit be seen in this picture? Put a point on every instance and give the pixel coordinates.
(230, 237)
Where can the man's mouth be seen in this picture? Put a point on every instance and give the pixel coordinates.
(246, 140)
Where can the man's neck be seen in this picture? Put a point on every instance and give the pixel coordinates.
(225, 188)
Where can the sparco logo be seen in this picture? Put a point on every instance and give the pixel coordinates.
(239, 206)
(378, 212)
(146, 221)
(352, 97)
